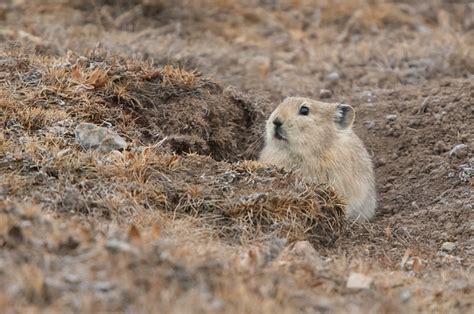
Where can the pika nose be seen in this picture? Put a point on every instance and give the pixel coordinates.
(277, 122)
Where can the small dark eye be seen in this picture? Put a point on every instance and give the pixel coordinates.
(304, 111)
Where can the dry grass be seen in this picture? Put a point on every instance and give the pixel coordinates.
(171, 225)
(189, 199)
(240, 199)
(146, 103)
(199, 273)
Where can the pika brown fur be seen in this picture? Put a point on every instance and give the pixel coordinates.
(316, 139)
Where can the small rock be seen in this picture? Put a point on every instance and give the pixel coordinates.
(72, 279)
(391, 117)
(448, 246)
(115, 245)
(379, 162)
(91, 136)
(467, 170)
(103, 286)
(459, 151)
(333, 76)
(325, 93)
(369, 124)
(358, 281)
(405, 295)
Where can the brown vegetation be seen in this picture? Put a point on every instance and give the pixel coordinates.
(184, 220)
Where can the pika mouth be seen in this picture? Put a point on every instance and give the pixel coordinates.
(279, 134)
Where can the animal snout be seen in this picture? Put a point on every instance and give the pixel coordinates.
(278, 131)
(277, 123)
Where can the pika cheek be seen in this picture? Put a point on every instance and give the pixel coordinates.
(303, 127)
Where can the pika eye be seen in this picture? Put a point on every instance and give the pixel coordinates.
(304, 111)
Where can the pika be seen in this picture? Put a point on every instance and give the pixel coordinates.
(316, 140)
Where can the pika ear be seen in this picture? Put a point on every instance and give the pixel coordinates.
(344, 116)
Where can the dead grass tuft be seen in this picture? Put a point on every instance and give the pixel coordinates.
(178, 77)
(244, 199)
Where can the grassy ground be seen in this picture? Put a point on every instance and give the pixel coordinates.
(156, 229)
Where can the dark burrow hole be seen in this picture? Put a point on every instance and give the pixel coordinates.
(224, 124)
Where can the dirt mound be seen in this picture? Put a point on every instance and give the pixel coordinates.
(163, 112)
(180, 109)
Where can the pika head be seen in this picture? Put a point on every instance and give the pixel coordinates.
(303, 125)
(317, 141)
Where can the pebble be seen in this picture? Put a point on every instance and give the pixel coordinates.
(459, 151)
(333, 76)
(358, 281)
(405, 295)
(115, 246)
(103, 286)
(369, 124)
(325, 93)
(448, 246)
(72, 278)
(91, 136)
(391, 117)
(379, 162)
(467, 170)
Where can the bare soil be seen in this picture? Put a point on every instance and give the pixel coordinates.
(185, 220)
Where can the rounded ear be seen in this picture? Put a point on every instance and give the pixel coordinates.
(344, 116)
